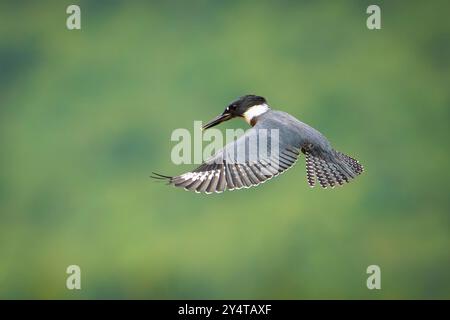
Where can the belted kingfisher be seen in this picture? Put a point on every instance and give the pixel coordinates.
(232, 169)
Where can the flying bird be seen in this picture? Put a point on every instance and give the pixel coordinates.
(238, 165)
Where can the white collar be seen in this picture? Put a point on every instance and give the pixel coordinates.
(255, 111)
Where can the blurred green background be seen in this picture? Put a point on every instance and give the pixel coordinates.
(85, 116)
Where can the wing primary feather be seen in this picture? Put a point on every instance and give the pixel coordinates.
(253, 179)
(243, 175)
(236, 179)
(214, 180)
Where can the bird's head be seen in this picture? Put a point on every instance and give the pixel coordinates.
(247, 107)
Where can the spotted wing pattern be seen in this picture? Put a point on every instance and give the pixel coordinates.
(331, 171)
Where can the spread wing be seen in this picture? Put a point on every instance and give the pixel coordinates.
(255, 157)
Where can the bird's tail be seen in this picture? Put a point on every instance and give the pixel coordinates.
(331, 169)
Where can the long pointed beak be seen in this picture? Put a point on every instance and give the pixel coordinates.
(214, 122)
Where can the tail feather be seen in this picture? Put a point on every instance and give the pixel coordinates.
(332, 170)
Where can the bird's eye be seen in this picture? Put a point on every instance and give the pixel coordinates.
(231, 108)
